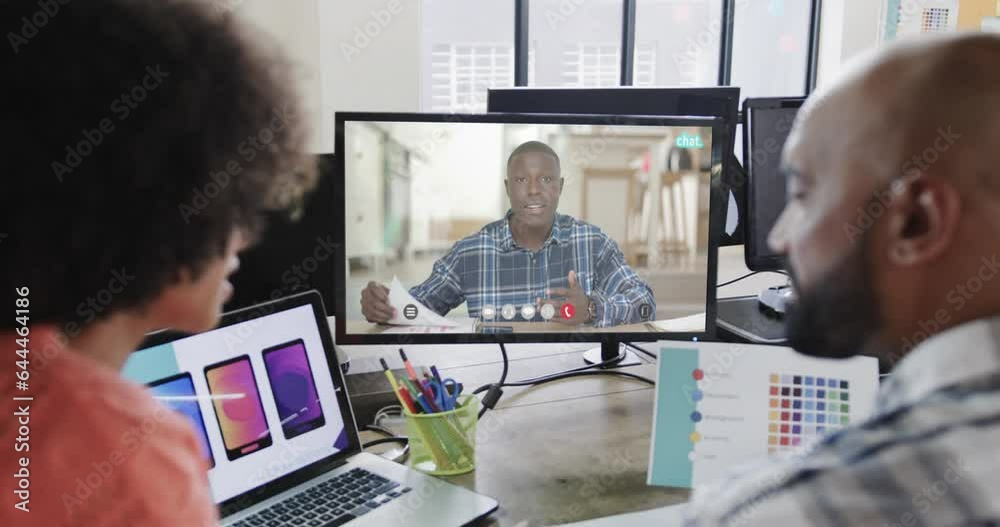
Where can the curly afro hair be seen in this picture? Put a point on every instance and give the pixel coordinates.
(139, 135)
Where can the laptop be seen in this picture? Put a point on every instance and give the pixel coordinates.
(266, 398)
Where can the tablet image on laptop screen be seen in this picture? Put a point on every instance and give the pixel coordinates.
(177, 393)
(238, 407)
(293, 388)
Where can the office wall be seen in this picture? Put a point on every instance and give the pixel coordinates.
(849, 27)
(296, 29)
(370, 58)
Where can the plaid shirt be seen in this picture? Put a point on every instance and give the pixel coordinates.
(488, 268)
(929, 456)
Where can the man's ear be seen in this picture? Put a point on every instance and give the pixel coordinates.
(562, 181)
(506, 186)
(923, 217)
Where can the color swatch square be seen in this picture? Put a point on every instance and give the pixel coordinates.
(803, 406)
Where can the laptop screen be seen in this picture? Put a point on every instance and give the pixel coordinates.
(259, 395)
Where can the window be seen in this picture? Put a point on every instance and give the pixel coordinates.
(677, 42)
(645, 64)
(575, 43)
(461, 74)
(771, 47)
(594, 65)
(466, 48)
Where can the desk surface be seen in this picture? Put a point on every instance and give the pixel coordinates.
(565, 451)
(561, 452)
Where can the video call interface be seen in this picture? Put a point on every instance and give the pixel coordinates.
(256, 393)
(457, 227)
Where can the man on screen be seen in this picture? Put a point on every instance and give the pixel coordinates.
(532, 257)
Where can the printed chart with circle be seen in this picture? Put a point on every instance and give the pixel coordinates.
(719, 405)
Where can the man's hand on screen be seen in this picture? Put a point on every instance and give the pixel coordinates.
(375, 303)
(572, 305)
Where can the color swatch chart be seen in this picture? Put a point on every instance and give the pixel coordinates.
(720, 404)
(802, 408)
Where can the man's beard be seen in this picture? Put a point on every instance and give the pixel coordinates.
(839, 315)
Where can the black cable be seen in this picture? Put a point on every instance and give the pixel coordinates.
(506, 364)
(567, 375)
(643, 350)
(382, 440)
(494, 390)
(748, 275)
(379, 429)
(493, 396)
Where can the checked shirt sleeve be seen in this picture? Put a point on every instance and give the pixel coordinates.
(618, 291)
(442, 291)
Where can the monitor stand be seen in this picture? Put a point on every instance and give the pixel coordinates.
(609, 350)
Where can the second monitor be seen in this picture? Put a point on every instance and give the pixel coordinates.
(533, 226)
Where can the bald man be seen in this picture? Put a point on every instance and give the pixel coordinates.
(892, 232)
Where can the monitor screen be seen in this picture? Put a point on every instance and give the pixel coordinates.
(716, 101)
(471, 225)
(768, 123)
(259, 395)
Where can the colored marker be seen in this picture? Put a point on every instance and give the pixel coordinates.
(393, 383)
(416, 390)
(437, 375)
(404, 396)
(423, 403)
(409, 367)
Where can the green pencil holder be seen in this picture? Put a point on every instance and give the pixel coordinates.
(444, 444)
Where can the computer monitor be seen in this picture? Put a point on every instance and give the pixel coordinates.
(526, 228)
(718, 101)
(766, 124)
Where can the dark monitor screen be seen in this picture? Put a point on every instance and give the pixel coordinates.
(719, 101)
(520, 227)
(767, 123)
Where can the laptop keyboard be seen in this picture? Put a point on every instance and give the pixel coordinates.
(333, 502)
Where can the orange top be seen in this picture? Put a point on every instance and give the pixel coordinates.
(99, 449)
